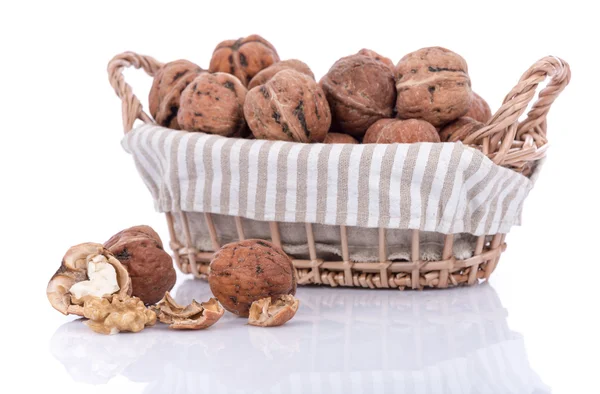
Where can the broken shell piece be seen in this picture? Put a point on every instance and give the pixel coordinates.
(120, 314)
(194, 316)
(264, 313)
(74, 269)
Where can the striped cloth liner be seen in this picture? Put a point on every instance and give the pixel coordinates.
(443, 187)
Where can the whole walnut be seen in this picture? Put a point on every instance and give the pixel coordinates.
(360, 91)
(339, 138)
(244, 57)
(389, 131)
(289, 107)
(376, 56)
(247, 271)
(479, 109)
(150, 268)
(433, 84)
(293, 64)
(459, 129)
(214, 103)
(170, 80)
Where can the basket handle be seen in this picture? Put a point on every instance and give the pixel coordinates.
(504, 131)
(132, 108)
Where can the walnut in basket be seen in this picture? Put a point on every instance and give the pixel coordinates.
(433, 84)
(388, 131)
(339, 138)
(479, 109)
(292, 64)
(376, 56)
(460, 129)
(244, 57)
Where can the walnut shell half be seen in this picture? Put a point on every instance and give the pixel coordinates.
(265, 313)
(195, 316)
(73, 269)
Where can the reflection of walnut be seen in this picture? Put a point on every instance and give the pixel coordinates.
(122, 314)
(264, 313)
(195, 316)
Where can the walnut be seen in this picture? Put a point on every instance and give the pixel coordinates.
(266, 74)
(247, 271)
(214, 103)
(459, 129)
(169, 82)
(360, 91)
(150, 267)
(195, 316)
(339, 138)
(75, 265)
(376, 56)
(265, 313)
(289, 107)
(244, 57)
(479, 109)
(433, 84)
(120, 314)
(389, 131)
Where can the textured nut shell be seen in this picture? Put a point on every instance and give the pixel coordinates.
(73, 269)
(289, 107)
(479, 109)
(339, 138)
(265, 75)
(389, 131)
(166, 89)
(194, 316)
(244, 57)
(265, 313)
(368, 52)
(433, 84)
(119, 314)
(213, 103)
(247, 271)
(150, 267)
(459, 129)
(360, 91)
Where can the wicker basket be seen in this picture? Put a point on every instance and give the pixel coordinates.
(506, 141)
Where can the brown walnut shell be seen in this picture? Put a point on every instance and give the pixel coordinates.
(150, 267)
(389, 131)
(214, 103)
(244, 57)
(433, 84)
(247, 271)
(269, 313)
(170, 80)
(479, 109)
(265, 75)
(339, 138)
(289, 107)
(376, 56)
(460, 129)
(360, 91)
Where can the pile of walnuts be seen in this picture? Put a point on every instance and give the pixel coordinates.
(247, 92)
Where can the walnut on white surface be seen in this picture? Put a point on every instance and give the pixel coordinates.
(195, 316)
(265, 313)
(120, 314)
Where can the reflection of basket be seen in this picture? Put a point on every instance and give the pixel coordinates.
(418, 234)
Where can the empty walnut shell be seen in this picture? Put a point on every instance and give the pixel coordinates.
(214, 103)
(169, 82)
(339, 138)
(196, 316)
(150, 267)
(389, 131)
(247, 271)
(289, 107)
(244, 57)
(433, 84)
(360, 91)
(268, 313)
(73, 269)
(479, 109)
(376, 56)
(459, 129)
(265, 75)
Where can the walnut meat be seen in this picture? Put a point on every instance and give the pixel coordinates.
(360, 91)
(244, 57)
(289, 107)
(150, 267)
(247, 271)
(196, 316)
(389, 131)
(460, 129)
(268, 313)
(169, 83)
(265, 75)
(339, 138)
(433, 84)
(119, 314)
(479, 109)
(368, 52)
(213, 103)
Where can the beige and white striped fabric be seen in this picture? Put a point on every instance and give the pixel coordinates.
(444, 187)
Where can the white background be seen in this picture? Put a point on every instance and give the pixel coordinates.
(65, 179)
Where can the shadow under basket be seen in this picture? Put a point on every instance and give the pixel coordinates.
(399, 224)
